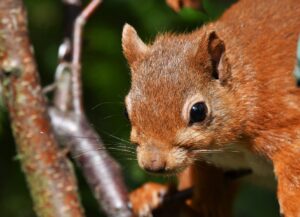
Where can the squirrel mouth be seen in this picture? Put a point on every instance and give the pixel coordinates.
(229, 174)
(165, 172)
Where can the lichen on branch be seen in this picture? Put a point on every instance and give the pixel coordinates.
(49, 175)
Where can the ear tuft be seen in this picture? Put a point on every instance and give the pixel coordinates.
(133, 47)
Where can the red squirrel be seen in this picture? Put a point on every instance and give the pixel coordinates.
(221, 98)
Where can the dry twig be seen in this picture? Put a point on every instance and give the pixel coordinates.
(77, 42)
(101, 171)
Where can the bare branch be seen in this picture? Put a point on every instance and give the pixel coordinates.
(62, 96)
(77, 41)
(49, 175)
(102, 172)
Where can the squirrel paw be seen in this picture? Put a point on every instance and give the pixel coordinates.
(147, 198)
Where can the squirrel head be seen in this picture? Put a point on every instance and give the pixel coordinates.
(180, 104)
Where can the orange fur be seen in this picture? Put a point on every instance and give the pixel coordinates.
(253, 102)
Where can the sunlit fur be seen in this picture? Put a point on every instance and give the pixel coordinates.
(254, 105)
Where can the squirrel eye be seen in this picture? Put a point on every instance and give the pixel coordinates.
(198, 112)
(125, 112)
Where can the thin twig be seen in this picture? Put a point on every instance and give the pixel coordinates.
(101, 171)
(62, 96)
(76, 66)
(62, 99)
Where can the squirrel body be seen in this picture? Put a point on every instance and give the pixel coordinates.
(224, 95)
(239, 159)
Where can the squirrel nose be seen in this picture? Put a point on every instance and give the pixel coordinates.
(154, 165)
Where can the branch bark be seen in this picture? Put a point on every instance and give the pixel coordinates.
(76, 66)
(49, 175)
(101, 171)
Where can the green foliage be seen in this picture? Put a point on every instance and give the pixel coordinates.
(191, 15)
(215, 7)
(106, 81)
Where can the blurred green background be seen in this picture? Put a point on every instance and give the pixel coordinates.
(106, 82)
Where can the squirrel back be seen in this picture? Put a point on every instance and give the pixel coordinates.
(261, 40)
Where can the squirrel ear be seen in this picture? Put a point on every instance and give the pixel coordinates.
(216, 53)
(133, 46)
(216, 49)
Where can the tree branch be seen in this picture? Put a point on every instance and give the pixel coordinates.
(101, 171)
(49, 175)
(77, 41)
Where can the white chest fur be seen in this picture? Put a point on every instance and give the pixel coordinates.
(240, 158)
